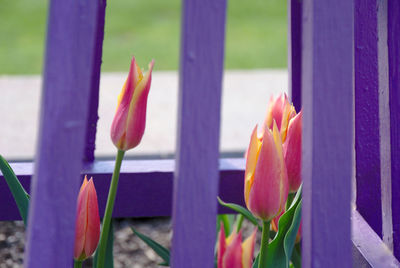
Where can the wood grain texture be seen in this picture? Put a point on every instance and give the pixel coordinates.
(327, 95)
(370, 245)
(394, 103)
(196, 174)
(367, 144)
(70, 46)
(91, 125)
(146, 186)
(294, 51)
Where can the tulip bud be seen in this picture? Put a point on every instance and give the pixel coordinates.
(281, 111)
(232, 253)
(292, 152)
(130, 119)
(266, 182)
(87, 227)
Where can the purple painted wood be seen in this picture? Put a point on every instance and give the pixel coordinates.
(146, 186)
(196, 174)
(384, 125)
(394, 103)
(367, 145)
(327, 95)
(91, 125)
(71, 42)
(374, 253)
(294, 51)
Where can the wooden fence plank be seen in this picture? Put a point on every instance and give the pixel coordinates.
(294, 51)
(196, 177)
(394, 104)
(146, 186)
(327, 95)
(384, 124)
(367, 145)
(71, 42)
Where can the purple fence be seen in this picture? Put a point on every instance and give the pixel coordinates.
(336, 48)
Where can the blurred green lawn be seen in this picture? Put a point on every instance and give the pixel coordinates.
(256, 34)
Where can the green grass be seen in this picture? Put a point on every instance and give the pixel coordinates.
(256, 34)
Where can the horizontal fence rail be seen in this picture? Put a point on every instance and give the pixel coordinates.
(145, 186)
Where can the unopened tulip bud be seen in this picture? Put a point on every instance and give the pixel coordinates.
(266, 182)
(87, 227)
(292, 152)
(130, 119)
(232, 253)
(281, 111)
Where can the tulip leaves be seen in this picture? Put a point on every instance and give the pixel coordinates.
(281, 247)
(247, 214)
(159, 249)
(21, 197)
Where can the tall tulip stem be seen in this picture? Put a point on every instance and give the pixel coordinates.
(77, 264)
(109, 209)
(264, 245)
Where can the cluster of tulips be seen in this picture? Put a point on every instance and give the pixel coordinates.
(273, 173)
(272, 177)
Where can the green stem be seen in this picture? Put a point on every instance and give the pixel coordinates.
(239, 221)
(109, 209)
(264, 245)
(77, 264)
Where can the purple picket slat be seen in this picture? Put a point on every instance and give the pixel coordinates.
(146, 186)
(327, 95)
(372, 251)
(196, 173)
(70, 53)
(91, 125)
(367, 145)
(394, 103)
(294, 51)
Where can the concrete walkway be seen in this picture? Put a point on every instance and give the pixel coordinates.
(245, 99)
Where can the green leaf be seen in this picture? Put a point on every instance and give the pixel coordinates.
(255, 263)
(109, 262)
(247, 214)
(21, 197)
(296, 257)
(290, 238)
(281, 247)
(160, 250)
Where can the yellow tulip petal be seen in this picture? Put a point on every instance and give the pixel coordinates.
(251, 162)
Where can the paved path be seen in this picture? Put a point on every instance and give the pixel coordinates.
(245, 97)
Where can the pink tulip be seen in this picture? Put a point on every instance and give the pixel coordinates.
(266, 182)
(232, 253)
(87, 227)
(130, 119)
(281, 111)
(292, 152)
